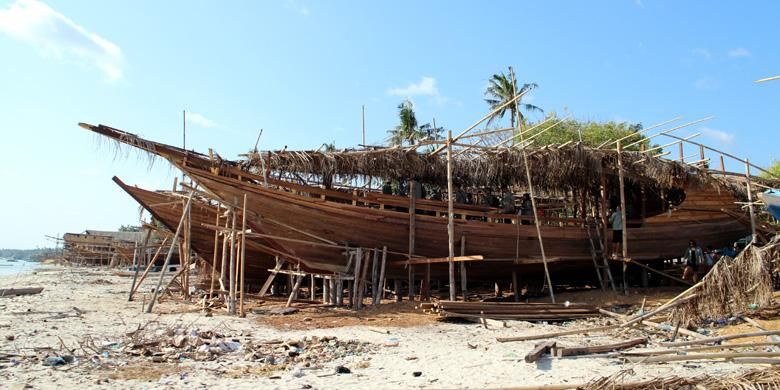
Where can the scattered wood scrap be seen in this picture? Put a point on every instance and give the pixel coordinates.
(539, 350)
(15, 292)
(594, 349)
(515, 311)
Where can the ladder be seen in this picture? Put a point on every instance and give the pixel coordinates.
(595, 253)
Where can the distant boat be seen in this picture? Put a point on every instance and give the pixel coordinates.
(772, 200)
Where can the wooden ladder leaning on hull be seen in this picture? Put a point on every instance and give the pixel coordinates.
(595, 253)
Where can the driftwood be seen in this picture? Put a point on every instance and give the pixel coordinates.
(15, 292)
(556, 334)
(699, 349)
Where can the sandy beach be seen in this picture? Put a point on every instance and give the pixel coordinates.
(84, 313)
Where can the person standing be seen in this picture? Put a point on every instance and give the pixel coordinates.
(693, 258)
(616, 219)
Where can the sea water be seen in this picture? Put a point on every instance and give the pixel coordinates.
(14, 266)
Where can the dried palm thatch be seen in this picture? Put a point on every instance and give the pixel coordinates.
(732, 285)
(753, 379)
(552, 167)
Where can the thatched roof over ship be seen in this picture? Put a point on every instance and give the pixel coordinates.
(552, 167)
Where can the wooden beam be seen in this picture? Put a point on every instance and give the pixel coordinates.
(593, 349)
(435, 260)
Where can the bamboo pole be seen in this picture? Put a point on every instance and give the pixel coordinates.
(378, 298)
(170, 253)
(243, 258)
(232, 266)
(643, 130)
(223, 263)
(623, 217)
(450, 218)
(375, 276)
(136, 263)
(750, 202)
(463, 277)
(148, 268)
(666, 132)
(533, 206)
(484, 118)
(412, 218)
(356, 285)
(727, 155)
(214, 258)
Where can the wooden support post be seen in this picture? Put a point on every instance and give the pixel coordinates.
(357, 280)
(214, 258)
(243, 260)
(334, 293)
(412, 229)
(340, 288)
(450, 217)
(397, 288)
(463, 279)
(375, 276)
(515, 286)
(137, 263)
(722, 165)
(312, 288)
(682, 155)
(623, 217)
(533, 203)
(279, 264)
(350, 293)
(148, 268)
(170, 253)
(362, 290)
(750, 202)
(232, 266)
(381, 285)
(223, 262)
(294, 292)
(325, 291)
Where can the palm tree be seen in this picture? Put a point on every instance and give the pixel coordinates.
(502, 88)
(407, 130)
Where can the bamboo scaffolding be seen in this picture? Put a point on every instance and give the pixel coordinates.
(243, 259)
(675, 119)
(170, 253)
(665, 132)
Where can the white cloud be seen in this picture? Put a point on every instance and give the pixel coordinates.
(739, 52)
(56, 36)
(706, 84)
(703, 53)
(426, 87)
(719, 135)
(200, 120)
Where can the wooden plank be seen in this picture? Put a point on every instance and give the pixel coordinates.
(593, 349)
(270, 280)
(539, 350)
(718, 339)
(15, 292)
(437, 260)
(556, 334)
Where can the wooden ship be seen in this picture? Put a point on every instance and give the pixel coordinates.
(311, 208)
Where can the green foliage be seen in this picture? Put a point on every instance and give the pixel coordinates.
(502, 88)
(129, 228)
(774, 168)
(593, 133)
(408, 131)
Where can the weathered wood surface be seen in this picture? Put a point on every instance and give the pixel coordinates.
(539, 350)
(15, 292)
(594, 349)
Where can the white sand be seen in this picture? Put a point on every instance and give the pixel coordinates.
(440, 349)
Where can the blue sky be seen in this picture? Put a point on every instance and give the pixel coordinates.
(301, 70)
